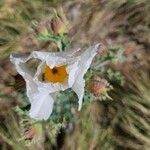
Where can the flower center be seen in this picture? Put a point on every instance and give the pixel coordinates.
(54, 71)
(56, 74)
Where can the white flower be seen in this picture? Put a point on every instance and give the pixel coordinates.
(56, 72)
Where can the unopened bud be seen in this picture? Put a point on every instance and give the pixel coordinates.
(58, 25)
(99, 89)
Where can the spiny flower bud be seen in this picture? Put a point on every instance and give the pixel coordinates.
(99, 89)
(58, 25)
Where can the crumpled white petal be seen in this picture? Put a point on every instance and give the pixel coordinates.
(84, 64)
(72, 71)
(19, 62)
(78, 88)
(86, 59)
(53, 59)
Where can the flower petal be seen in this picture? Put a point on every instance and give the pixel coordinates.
(84, 64)
(78, 88)
(19, 62)
(54, 59)
(86, 59)
(71, 52)
(72, 71)
(41, 101)
(41, 106)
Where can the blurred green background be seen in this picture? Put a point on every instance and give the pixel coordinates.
(123, 123)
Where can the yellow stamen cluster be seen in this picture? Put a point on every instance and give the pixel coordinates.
(56, 74)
